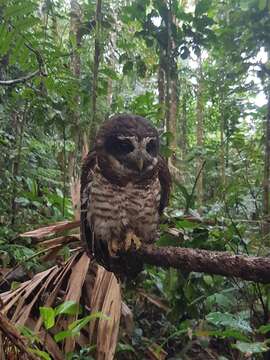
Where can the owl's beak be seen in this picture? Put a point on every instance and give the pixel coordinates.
(140, 164)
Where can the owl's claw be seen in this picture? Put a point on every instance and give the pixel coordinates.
(131, 239)
(113, 247)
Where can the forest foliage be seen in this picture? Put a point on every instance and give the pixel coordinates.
(200, 71)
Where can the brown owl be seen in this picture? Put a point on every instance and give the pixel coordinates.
(125, 186)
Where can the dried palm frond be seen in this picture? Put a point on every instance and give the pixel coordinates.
(44, 231)
(106, 297)
(78, 279)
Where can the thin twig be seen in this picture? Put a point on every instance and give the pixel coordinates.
(22, 79)
(194, 186)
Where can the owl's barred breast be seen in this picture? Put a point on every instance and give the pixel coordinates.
(113, 211)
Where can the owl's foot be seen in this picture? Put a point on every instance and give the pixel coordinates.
(113, 247)
(131, 239)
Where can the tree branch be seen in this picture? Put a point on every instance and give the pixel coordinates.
(20, 80)
(41, 67)
(250, 268)
(10, 331)
(212, 262)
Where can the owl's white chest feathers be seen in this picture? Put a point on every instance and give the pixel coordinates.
(114, 210)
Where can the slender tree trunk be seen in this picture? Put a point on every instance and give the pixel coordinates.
(266, 181)
(174, 112)
(200, 136)
(161, 89)
(171, 88)
(168, 76)
(222, 145)
(75, 65)
(111, 62)
(19, 119)
(227, 145)
(183, 143)
(95, 72)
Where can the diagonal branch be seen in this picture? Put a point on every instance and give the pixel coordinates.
(10, 331)
(212, 262)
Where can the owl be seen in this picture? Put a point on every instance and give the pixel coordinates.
(125, 186)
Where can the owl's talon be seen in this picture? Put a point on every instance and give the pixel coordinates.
(137, 242)
(128, 241)
(113, 247)
(131, 239)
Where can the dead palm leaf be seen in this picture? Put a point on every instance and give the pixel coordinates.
(79, 280)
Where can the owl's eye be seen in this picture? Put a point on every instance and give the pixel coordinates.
(151, 147)
(123, 146)
(118, 146)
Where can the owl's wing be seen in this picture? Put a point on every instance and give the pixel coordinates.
(86, 179)
(165, 182)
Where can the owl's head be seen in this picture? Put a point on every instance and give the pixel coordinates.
(127, 147)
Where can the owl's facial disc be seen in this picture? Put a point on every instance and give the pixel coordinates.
(131, 155)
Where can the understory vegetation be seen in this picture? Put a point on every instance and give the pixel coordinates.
(200, 72)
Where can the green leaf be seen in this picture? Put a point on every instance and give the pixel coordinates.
(220, 300)
(168, 136)
(15, 285)
(250, 348)
(42, 354)
(125, 347)
(264, 329)
(208, 279)
(127, 67)
(185, 224)
(167, 240)
(29, 334)
(228, 320)
(62, 335)
(166, 151)
(19, 9)
(48, 316)
(27, 23)
(75, 327)
(110, 73)
(202, 7)
(225, 334)
(68, 307)
(244, 5)
(262, 4)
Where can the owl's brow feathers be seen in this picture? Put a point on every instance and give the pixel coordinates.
(127, 125)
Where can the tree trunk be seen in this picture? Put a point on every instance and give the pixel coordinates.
(111, 63)
(171, 88)
(168, 78)
(183, 143)
(266, 181)
(173, 112)
(222, 145)
(95, 73)
(18, 119)
(200, 136)
(161, 89)
(75, 65)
